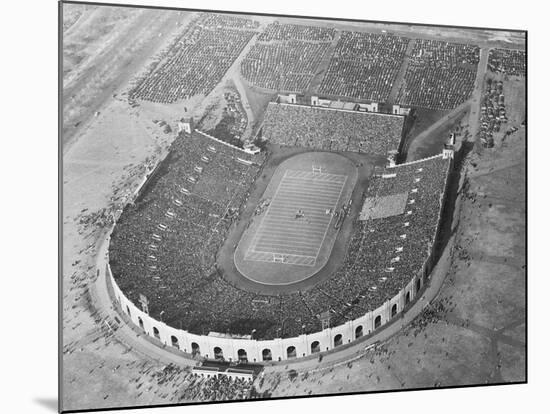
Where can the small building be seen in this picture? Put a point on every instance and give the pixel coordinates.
(289, 99)
(449, 147)
(186, 124)
(400, 110)
(368, 107)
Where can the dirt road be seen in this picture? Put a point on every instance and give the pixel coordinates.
(90, 85)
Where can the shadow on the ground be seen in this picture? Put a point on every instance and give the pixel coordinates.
(49, 403)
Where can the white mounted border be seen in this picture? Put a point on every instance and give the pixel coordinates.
(281, 349)
(227, 144)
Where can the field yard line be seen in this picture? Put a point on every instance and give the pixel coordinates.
(277, 231)
(253, 244)
(312, 219)
(288, 254)
(292, 221)
(310, 189)
(334, 208)
(294, 238)
(290, 227)
(314, 180)
(294, 242)
(298, 204)
(301, 253)
(281, 243)
(284, 263)
(295, 201)
(295, 190)
(298, 234)
(314, 176)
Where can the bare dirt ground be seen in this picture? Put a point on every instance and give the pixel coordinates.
(476, 335)
(102, 51)
(430, 140)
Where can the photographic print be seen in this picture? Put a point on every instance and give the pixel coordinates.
(268, 206)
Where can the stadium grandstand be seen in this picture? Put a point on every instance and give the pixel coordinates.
(440, 75)
(364, 65)
(197, 60)
(332, 130)
(164, 245)
(286, 57)
(176, 248)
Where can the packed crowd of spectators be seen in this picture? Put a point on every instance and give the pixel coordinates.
(277, 31)
(286, 66)
(229, 20)
(286, 57)
(440, 75)
(195, 63)
(165, 244)
(321, 128)
(215, 388)
(234, 121)
(364, 65)
(507, 61)
(386, 253)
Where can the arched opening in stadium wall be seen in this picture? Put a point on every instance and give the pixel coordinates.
(175, 342)
(195, 349)
(394, 310)
(218, 353)
(377, 322)
(315, 347)
(156, 333)
(291, 352)
(242, 355)
(266, 355)
(358, 332)
(140, 321)
(338, 340)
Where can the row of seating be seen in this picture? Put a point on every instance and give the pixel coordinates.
(278, 31)
(283, 66)
(195, 63)
(364, 65)
(320, 128)
(440, 75)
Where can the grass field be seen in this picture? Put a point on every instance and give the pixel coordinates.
(287, 237)
(290, 236)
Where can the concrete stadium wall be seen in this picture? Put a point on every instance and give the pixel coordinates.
(278, 347)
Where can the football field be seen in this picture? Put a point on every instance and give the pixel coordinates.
(298, 218)
(292, 230)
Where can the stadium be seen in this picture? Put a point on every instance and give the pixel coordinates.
(313, 243)
(261, 206)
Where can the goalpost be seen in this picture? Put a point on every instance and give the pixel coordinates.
(278, 258)
(316, 169)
